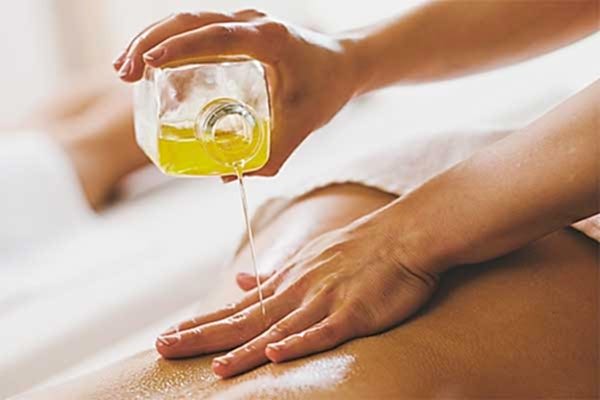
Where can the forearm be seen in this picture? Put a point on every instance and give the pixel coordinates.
(519, 189)
(102, 149)
(445, 39)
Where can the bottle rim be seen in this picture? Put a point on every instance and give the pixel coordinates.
(207, 131)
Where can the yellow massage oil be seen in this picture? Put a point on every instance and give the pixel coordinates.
(180, 152)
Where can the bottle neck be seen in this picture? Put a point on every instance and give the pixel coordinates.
(229, 131)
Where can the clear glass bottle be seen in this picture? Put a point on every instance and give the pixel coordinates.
(204, 119)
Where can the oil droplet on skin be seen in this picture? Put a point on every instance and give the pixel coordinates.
(240, 177)
(237, 317)
(320, 373)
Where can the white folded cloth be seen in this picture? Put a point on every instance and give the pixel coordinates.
(397, 169)
(40, 192)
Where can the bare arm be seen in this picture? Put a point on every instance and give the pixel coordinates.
(312, 75)
(445, 39)
(532, 183)
(92, 122)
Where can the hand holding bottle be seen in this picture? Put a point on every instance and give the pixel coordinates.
(308, 73)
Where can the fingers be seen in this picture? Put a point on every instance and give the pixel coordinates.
(228, 178)
(327, 334)
(132, 64)
(259, 41)
(224, 312)
(249, 14)
(227, 333)
(280, 149)
(252, 354)
(270, 169)
(248, 281)
(118, 62)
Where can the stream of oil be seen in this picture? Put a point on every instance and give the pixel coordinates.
(240, 177)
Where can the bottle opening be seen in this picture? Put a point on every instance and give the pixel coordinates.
(229, 131)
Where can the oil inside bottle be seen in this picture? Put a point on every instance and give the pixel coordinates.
(180, 153)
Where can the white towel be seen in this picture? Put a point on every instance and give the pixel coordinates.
(397, 169)
(40, 194)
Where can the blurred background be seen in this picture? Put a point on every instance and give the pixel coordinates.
(82, 300)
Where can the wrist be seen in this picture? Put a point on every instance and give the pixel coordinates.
(357, 60)
(414, 230)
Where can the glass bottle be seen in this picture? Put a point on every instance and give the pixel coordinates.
(205, 118)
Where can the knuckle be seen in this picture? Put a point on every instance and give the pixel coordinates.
(328, 291)
(238, 321)
(280, 329)
(185, 17)
(296, 288)
(223, 32)
(415, 278)
(276, 35)
(303, 284)
(332, 332)
(240, 329)
(250, 12)
(332, 251)
(274, 28)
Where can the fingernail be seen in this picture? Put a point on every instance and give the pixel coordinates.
(126, 68)
(168, 340)
(219, 364)
(170, 330)
(155, 54)
(245, 275)
(120, 58)
(221, 361)
(275, 346)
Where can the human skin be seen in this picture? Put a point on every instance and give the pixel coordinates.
(376, 272)
(93, 122)
(312, 75)
(522, 326)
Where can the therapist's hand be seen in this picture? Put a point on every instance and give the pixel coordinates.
(310, 75)
(351, 282)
